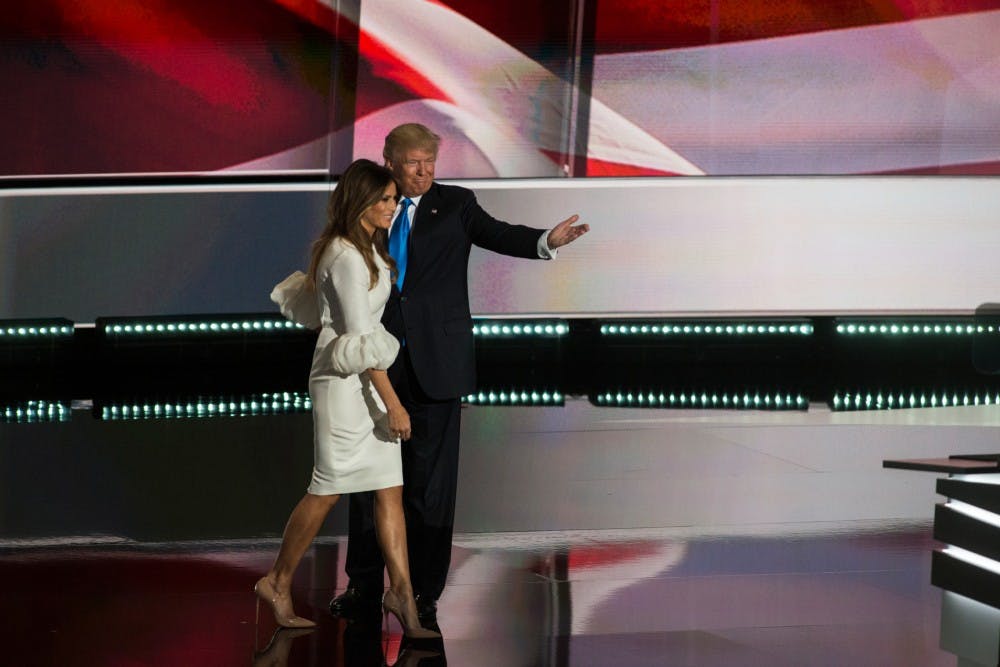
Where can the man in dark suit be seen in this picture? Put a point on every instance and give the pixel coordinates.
(433, 231)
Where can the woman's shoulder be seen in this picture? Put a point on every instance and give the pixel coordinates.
(339, 250)
(343, 261)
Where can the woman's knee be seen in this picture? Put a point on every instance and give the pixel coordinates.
(324, 501)
(393, 494)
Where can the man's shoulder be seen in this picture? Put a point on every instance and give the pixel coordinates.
(450, 191)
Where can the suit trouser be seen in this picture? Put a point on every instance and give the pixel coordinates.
(430, 480)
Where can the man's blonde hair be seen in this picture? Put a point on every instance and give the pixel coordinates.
(408, 136)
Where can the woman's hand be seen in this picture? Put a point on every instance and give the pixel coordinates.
(399, 422)
(397, 418)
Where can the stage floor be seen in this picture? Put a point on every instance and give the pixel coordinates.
(588, 536)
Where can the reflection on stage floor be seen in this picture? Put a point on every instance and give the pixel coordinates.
(587, 536)
(850, 595)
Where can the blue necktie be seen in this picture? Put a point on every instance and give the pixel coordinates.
(399, 239)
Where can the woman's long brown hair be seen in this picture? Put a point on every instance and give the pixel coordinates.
(360, 187)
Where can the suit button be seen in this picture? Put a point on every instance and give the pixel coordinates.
(402, 298)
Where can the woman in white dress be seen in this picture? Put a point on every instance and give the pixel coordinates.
(357, 418)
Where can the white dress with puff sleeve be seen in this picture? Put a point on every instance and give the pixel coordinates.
(353, 448)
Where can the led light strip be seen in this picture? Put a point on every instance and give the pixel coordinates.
(929, 328)
(206, 327)
(29, 412)
(707, 329)
(44, 330)
(973, 512)
(244, 406)
(896, 400)
(973, 558)
(515, 397)
(978, 478)
(745, 400)
(502, 328)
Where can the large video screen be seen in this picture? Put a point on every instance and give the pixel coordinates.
(161, 86)
(803, 86)
(540, 89)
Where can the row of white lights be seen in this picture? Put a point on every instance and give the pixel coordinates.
(34, 411)
(479, 329)
(53, 330)
(519, 329)
(202, 327)
(902, 400)
(711, 329)
(776, 401)
(298, 403)
(250, 406)
(557, 329)
(897, 329)
(514, 397)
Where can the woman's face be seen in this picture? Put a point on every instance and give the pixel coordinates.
(379, 214)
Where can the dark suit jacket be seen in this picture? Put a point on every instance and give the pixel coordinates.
(432, 311)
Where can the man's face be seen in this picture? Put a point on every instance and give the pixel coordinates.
(414, 171)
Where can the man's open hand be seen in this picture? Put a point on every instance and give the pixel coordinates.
(565, 233)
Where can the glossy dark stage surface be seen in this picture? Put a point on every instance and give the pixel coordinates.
(859, 597)
(588, 536)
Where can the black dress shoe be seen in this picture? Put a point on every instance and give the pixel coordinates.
(355, 605)
(427, 611)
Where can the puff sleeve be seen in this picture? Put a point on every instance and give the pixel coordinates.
(296, 298)
(364, 343)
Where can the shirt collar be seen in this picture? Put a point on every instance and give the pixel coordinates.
(399, 207)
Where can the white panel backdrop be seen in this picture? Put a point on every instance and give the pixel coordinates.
(750, 245)
(711, 245)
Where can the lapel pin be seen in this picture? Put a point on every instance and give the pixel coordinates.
(434, 210)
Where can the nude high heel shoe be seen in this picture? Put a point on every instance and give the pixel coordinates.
(284, 614)
(397, 606)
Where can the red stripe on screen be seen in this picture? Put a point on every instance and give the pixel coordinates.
(647, 25)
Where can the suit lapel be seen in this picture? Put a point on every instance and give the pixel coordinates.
(425, 219)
